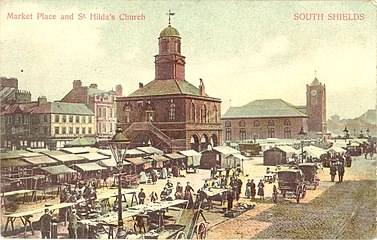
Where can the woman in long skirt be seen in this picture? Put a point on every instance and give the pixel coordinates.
(261, 189)
(248, 189)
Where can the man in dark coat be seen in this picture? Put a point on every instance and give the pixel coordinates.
(141, 196)
(341, 171)
(46, 224)
(230, 198)
(333, 169)
(72, 224)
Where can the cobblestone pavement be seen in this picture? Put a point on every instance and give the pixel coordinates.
(335, 210)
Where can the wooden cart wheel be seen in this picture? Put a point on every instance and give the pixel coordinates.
(298, 194)
(202, 231)
(303, 191)
(180, 235)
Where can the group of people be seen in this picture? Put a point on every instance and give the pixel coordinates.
(337, 167)
(250, 191)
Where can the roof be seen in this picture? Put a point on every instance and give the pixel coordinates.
(190, 153)
(82, 141)
(134, 152)
(315, 82)
(110, 163)
(313, 151)
(166, 87)
(92, 156)
(95, 91)
(264, 108)
(13, 163)
(174, 156)
(30, 154)
(87, 167)
(225, 150)
(40, 160)
(159, 158)
(239, 156)
(286, 149)
(75, 150)
(150, 150)
(70, 108)
(68, 158)
(59, 169)
(169, 32)
(9, 155)
(138, 160)
(54, 153)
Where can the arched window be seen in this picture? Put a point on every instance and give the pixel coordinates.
(256, 123)
(270, 123)
(242, 123)
(228, 124)
(193, 112)
(242, 134)
(204, 114)
(271, 133)
(287, 122)
(287, 132)
(228, 134)
(215, 113)
(127, 113)
(172, 112)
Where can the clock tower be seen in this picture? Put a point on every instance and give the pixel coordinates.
(316, 106)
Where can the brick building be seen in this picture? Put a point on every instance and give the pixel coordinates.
(169, 112)
(275, 118)
(42, 124)
(101, 102)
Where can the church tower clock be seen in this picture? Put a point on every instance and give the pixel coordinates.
(316, 106)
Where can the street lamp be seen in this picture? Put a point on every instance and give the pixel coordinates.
(118, 145)
(368, 136)
(302, 134)
(346, 132)
(361, 133)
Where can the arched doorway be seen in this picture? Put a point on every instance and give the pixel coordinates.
(214, 140)
(204, 142)
(194, 142)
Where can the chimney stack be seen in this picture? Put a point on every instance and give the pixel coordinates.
(202, 90)
(141, 85)
(76, 84)
(119, 90)
(42, 100)
(93, 85)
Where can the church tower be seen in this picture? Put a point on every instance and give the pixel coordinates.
(316, 106)
(169, 63)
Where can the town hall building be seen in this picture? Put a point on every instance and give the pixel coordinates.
(170, 113)
(276, 118)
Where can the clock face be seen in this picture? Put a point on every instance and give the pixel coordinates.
(314, 92)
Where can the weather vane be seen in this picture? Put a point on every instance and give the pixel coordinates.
(170, 14)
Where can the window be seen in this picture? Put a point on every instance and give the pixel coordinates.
(149, 115)
(256, 123)
(18, 120)
(215, 114)
(242, 123)
(83, 119)
(56, 118)
(71, 118)
(64, 130)
(193, 112)
(90, 119)
(25, 119)
(77, 130)
(83, 130)
(111, 127)
(70, 130)
(242, 134)
(204, 114)
(287, 122)
(77, 118)
(45, 130)
(36, 130)
(111, 112)
(287, 132)
(127, 115)
(89, 130)
(57, 130)
(228, 124)
(270, 123)
(228, 134)
(104, 128)
(271, 133)
(314, 101)
(64, 118)
(9, 119)
(172, 112)
(45, 118)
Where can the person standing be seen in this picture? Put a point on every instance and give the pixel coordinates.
(248, 189)
(46, 224)
(252, 188)
(153, 196)
(141, 196)
(261, 189)
(230, 198)
(333, 170)
(341, 171)
(188, 195)
(72, 224)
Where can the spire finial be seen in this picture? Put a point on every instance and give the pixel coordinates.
(170, 14)
(315, 73)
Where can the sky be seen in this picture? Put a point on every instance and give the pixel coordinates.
(243, 50)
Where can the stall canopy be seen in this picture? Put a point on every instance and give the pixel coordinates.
(174, 156)
(59, 169)
(313, 151)
(135, 152)
(159, 158)
(138, 160)
(93, 156)
(8, 163)
(40, 160)
(75, 150)
(30, 154)
(9, 155)
(193, 157)
(87, 167)
(225, 150)
(239, 156)
(68, 158)
(110, 163)
(336, 149)
(150, 150)
(82, 141)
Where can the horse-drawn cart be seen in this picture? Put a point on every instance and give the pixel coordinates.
(291, 183)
